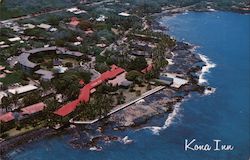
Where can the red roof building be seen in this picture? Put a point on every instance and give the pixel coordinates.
(85, 92)
(33, 108)
(7, 117)
(81, 82)
(147, 69)
(67, 109)
(74, 21)
(2, 68)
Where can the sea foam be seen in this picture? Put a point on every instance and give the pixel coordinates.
(205, 69)
(173, 117)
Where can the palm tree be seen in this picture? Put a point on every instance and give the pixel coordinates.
(6, 103)
(15, 98)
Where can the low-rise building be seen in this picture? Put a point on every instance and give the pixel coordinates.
(14, 39)
(124, 14)
(102, 18)
(22, 89)
(165, 80)
(45, 74)
(7, 117)
(74, 22)
(29, 26)
(177, 81)
(33, 109)
(44, 26)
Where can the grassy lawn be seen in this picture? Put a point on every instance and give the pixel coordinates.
(132, 95)
(13, 132)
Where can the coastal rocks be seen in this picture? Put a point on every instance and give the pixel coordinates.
(95, 143)
(139, 114)
(184, 60)
(25, 138)
(185, 63)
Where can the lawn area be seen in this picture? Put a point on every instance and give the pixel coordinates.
(13, 132)
(133, 95)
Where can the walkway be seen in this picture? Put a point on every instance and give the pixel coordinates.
(118, 108)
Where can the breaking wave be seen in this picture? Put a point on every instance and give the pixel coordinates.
(172, 118)
(209, 91)
(205, 69)
(175, 115)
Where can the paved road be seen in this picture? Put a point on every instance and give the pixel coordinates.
(98, 3)
(32, 15)
(53, 11)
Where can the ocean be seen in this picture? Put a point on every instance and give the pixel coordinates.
(222, 38)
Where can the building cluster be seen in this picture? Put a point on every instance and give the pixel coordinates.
(19, 29)
(89, 88)
(25, 113)
(31, 67)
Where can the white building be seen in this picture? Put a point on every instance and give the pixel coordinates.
(14, 39)
(102, 18)
(177, 81)
(44, 26)
(124, 14)
(30, 26)
(22, 89)
(53, 30)
(74, 9)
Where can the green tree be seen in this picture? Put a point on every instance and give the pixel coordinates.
(139, 63)
(69, 64)
(6, 102)
(120, 98)
(32, 98)
(134, 76)
(15, 98)
(85, 24)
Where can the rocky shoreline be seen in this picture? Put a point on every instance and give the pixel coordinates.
(13, 142)
(183, 60)
(135, 115)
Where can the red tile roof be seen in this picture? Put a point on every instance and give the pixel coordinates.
(84, 94)
(147, 69)
(68, 108)
(81, 82)
(74, 21)
(33, 108)
(86, 90)
(2, 68)
(7, 117)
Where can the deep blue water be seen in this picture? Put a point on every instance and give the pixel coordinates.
(223, 37)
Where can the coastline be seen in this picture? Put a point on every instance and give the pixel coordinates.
(29, 137)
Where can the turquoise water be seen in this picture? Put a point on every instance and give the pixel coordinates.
(224, 115)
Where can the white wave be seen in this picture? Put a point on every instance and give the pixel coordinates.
(212, 10)
(172, 118)
(205, 69)
(209, 91)
(95, 148)
(155, 129)
(126, 140)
